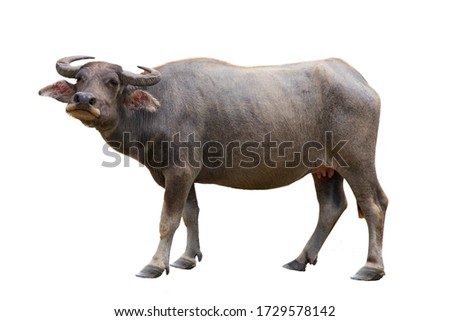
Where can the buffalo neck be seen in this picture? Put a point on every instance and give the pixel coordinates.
(135, 129)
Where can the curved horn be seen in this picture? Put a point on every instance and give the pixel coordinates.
(65, 69)
(148, 78)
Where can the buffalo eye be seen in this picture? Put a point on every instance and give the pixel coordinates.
(112, 82)
(79, 78)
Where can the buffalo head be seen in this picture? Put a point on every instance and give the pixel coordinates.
(102, 91)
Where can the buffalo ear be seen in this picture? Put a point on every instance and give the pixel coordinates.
(140, 99)
(60, 90)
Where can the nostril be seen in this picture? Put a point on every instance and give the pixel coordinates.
(82, 98)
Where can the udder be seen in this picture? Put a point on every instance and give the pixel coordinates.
(323, 171)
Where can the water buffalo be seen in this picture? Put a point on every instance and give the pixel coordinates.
(207, 121)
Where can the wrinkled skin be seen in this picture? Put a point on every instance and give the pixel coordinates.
(226, 104)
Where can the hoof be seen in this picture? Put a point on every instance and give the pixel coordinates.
(184, 263)
(295, 265)
(368, 274)
(151, 272)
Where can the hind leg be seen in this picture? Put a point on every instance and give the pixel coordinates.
(332, 203)
(372, 203)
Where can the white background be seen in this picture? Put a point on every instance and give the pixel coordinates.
(73, 233)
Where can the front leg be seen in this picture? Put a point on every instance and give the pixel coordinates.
(190, 217)
(177, 184)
